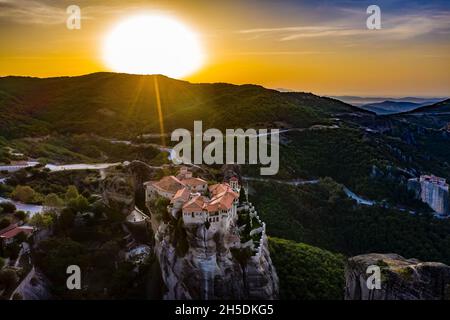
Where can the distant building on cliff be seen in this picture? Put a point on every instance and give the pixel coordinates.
(432, 190)
(197, 203)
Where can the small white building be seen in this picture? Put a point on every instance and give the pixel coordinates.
(137, 216)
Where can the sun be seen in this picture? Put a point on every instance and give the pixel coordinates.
(153, 44)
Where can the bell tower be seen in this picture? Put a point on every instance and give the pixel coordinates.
(234, 184)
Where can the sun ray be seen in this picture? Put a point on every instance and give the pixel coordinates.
(160, 113)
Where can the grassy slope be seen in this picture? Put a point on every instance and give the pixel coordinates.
(122, 104)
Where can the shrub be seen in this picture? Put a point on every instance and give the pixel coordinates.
(71, 193)
(8, 279)
(52, 200)
(21, 215)
(79, 204)
(24, 194)
(4, 223)
(42, 220)
(8, 207)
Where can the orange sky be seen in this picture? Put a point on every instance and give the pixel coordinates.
(322, 47)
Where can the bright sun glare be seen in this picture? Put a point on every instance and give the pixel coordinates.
(153, 44)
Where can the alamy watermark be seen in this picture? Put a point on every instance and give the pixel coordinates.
(374, 280)
(73, 21)
(373, 21)
(229, 148)
(74, 279)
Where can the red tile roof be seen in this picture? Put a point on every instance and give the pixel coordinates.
(10, 227)
(15, 231)
(196, 204)
(223, 198)
(169, 184)
(182, 194)
(193, 182)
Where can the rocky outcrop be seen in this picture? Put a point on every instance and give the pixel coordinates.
(209, 270)
(140, 172)
(118, 192)
(261, 279)
(35, 286)
(121, 187)
(401, 279)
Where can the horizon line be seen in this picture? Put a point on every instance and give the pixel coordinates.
(279, 89)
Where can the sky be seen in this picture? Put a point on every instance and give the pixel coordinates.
(322, 47)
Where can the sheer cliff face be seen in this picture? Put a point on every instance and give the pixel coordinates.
(209, 271)
(401, 279)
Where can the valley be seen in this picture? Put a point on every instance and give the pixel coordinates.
(342, 187)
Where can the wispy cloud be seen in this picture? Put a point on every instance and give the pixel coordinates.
(31, 12)
(39, 12)
(397, 28)
(282, 53)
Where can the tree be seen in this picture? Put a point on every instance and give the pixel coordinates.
(42, 220)
(4, 223)
(161, 209)
(8, 279)
(21, 215)
(21, 237)
(24, 194)
(306, 272)
(66, 219)
(106, 256)
(52, 201)
(71, 193)
(8, 207)
(12, 250)
(79, 204)
(55, 254)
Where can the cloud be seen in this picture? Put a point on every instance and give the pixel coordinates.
(280, 29)
(282, 53)
(31, 12)
(393, 27)
(39, 12)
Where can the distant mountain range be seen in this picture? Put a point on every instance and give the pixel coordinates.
(360, 101)
(391, 107)
(436, 108)
(384, 106)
